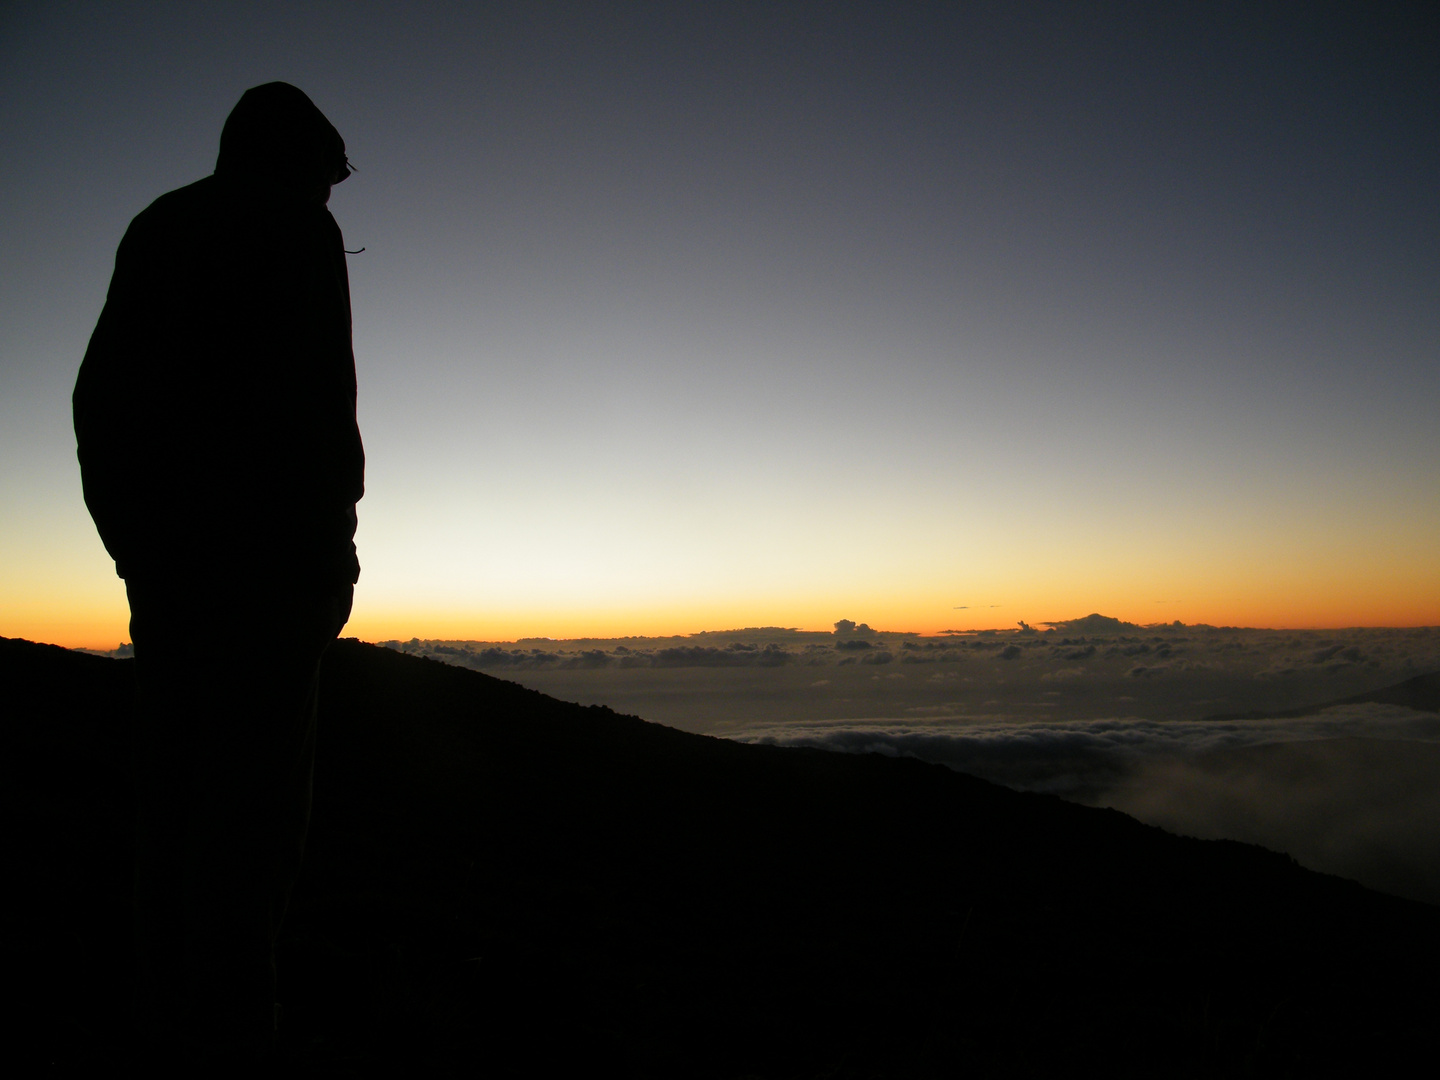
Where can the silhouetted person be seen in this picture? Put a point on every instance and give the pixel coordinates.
(215, 417)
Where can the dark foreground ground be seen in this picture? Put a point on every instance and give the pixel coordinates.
(503, 884)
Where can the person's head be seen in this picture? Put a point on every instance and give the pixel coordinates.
(276, 137)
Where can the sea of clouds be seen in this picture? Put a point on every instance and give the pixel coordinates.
(1097, 712)
(1074, 759)
(1353, 790)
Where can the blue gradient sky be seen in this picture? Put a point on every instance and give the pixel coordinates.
(763, 314)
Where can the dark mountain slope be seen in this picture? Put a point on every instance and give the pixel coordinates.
(500, 882)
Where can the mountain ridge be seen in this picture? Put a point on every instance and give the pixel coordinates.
(498, 879)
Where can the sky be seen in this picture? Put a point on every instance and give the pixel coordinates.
(683, 317)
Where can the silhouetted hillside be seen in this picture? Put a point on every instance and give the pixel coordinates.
(500, 882)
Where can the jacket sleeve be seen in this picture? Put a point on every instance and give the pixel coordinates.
(105, 401)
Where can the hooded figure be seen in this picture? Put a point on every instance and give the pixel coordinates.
(215, 408)
(215, 417)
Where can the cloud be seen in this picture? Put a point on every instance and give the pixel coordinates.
(592, 658)
(501, 658)
(1340, 652)
(1364, 808)
(732, 656)
(495, 658)
(1354, 790)
(1094, 623)
(1350, 790)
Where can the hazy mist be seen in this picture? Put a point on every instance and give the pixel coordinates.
(1115, 719)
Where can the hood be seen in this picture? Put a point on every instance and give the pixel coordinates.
(277, 136)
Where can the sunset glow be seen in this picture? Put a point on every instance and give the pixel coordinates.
(933, 318)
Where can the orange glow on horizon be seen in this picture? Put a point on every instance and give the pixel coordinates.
(104, 626)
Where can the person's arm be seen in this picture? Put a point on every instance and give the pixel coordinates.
(104, 402)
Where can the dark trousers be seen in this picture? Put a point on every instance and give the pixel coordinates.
(223, 759)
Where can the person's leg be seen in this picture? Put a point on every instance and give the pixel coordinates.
(224, 757)
(244, 848)
(161, 768)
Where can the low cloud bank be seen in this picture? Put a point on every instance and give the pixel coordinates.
(1354, 790)
(1367, 809)
(495, 658)
(1070, 758)
(1276, 661)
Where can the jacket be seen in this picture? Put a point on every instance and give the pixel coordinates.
(215, 406)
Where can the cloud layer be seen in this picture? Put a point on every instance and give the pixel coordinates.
(1113, 716)
(1353, 790)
